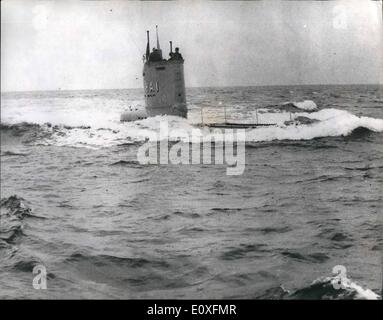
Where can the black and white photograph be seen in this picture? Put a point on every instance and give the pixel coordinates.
(191, 150)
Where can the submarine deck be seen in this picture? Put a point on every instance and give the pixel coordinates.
(229, 125)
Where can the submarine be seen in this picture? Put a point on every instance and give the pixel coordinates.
(163, 82)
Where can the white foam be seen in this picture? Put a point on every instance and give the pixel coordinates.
(348, 284)
(332, 122)
(95, 112)
(102, 116)
(304, 105)
(364, 293)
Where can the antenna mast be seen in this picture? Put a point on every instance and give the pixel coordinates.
(158, 42)
(147, 46)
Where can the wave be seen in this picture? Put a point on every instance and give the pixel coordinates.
(108, 260)
(13, 154)
(307, 105)
(337, 287)
(18, 259)
(12, 212)
(127, 163)
(332, 123)
(108, 131)
(324, 288)
(24, 133)
(316, 257)
(243, 251)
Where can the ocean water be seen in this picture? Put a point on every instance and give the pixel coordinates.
(76, 200)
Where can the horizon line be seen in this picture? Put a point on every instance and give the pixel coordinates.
(198, 87)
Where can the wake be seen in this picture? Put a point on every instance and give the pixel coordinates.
(99, 127)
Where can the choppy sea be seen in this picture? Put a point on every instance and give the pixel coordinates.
(75, 200)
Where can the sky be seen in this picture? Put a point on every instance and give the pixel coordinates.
(50, 45)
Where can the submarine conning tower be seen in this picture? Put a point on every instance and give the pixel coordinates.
(164, 82)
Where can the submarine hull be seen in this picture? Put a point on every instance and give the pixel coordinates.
(131, 114)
